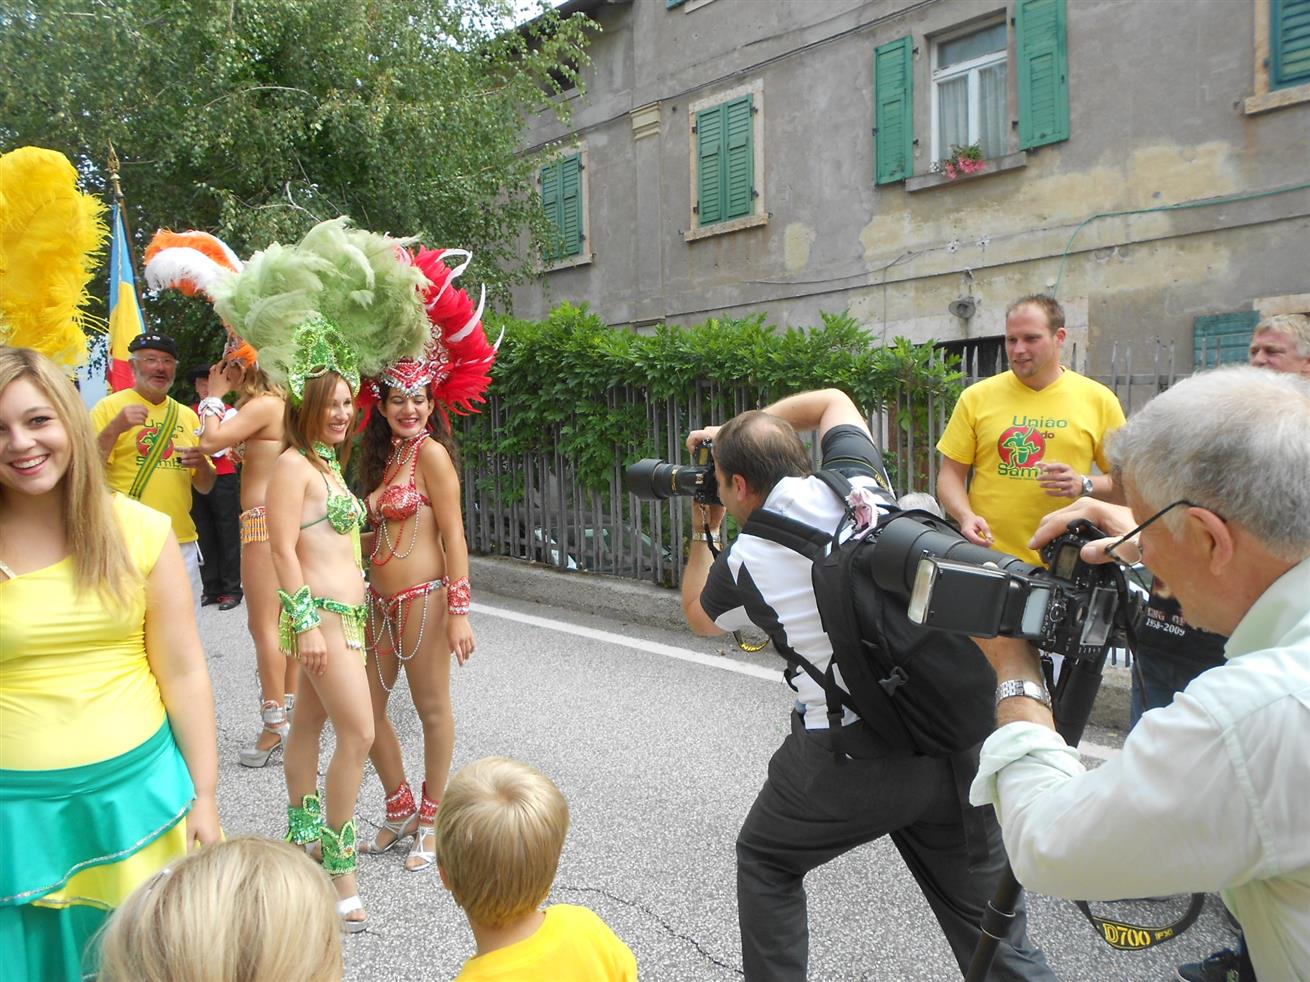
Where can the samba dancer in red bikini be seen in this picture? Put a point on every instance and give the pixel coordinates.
(418, 595)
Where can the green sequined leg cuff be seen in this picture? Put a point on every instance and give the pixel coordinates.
(339, 849)
(305, 824)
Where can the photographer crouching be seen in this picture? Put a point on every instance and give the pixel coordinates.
(833, 784)
(1213, 791)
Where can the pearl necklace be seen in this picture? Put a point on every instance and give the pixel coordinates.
(403, 453)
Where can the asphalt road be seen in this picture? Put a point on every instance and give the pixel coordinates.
(659, 742)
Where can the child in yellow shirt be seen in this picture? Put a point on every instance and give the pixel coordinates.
(500, 831)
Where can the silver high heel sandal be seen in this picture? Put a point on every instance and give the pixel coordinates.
(275, 721)
(401, 821)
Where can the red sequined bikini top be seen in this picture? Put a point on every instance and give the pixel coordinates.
(398, 502)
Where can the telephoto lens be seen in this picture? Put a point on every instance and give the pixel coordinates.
(651, 478)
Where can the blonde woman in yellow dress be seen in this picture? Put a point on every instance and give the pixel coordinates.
(108, 756)
(194, 262)
(108, 761)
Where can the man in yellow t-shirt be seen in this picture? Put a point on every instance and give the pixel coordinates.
(1029, 435)
(158, 469)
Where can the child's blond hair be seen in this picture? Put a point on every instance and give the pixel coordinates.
(240, 911)
(500, 831)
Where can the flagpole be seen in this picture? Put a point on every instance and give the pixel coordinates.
(121, 202)
(126, 317)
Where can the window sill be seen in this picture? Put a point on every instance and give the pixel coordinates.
(722, 228)
(582, 259)
(997, 165)
(1277, 99)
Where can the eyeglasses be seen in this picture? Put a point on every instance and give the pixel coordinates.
(156, 361)
(1112, 549)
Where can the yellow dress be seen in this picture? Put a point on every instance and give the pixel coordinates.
(93, 790)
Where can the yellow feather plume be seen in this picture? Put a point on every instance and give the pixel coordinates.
(51, 237)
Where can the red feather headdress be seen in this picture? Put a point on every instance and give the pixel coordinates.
(456, 360)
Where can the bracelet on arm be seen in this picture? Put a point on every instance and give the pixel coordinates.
(300, 611)
(211, 406)
(701, 535)
(458, 596)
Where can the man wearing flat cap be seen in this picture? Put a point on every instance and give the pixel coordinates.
(150, 445)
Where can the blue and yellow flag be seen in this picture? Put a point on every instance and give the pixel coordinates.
(125, 318)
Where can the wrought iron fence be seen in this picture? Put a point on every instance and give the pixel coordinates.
(533, 506)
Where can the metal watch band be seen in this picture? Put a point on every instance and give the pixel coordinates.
(1088, 487)
(1023, 687)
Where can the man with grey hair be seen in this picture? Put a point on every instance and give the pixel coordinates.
(150, 445)
(1282, 343)
(1216, 473)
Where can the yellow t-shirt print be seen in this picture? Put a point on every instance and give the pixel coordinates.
(1020, 447)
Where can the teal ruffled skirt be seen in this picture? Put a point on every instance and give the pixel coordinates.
(56, 824)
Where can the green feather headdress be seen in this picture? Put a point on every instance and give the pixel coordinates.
(359, 286)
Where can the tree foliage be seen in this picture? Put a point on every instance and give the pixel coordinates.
(255, 119)
(573, 380)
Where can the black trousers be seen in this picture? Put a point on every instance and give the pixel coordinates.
(217, 518)
(813, 809)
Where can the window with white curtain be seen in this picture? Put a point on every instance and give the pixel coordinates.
(969, 84)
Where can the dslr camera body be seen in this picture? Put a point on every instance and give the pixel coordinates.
(1071, 607)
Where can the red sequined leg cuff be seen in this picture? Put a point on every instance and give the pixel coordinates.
(400, 804)
(427, 812)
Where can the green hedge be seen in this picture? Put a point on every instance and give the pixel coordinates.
(555, 379)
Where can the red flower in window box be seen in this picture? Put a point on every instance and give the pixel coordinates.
(964, 160)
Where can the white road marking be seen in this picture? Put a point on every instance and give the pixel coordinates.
(638, 644)
(1085, 748)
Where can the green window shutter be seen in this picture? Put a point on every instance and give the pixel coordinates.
(739, 155)
(1289, 43)
(711, 194)
(1043, 72)
(670, 4)
(893, 82)
(1223, 339)
(570, 225)
(551, 201)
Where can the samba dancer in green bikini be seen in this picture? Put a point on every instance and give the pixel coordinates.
(313, 529)
(338, 302)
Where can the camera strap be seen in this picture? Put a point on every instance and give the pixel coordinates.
(1136, 937)
(737, 636)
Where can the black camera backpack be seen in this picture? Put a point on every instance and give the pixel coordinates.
(922, 690)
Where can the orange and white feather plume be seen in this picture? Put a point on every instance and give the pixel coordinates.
(193, 262)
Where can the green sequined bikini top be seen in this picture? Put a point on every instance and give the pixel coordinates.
(344, 512)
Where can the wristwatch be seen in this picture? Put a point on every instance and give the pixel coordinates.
(1023, 687)
(1087, 486)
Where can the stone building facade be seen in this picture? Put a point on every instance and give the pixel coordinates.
(1149, 162)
